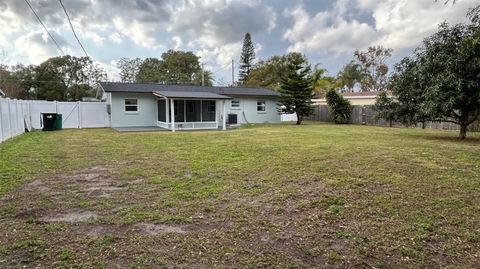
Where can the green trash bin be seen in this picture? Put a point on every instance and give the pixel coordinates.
(58, 122)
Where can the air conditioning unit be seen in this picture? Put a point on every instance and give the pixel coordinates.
(232, 119)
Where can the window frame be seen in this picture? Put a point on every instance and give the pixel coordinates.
(263, 104)
(125, 105)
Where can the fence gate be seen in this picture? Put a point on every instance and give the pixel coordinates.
(18, 115)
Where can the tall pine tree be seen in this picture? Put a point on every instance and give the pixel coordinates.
(246, 59)
(296, 91)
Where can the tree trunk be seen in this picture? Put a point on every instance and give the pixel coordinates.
(463, 131)
(299, 119)
(423, 124)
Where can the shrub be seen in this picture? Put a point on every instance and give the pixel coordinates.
(339, 107)
(386, 108)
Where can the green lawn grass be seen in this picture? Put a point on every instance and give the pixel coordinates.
(315, 195)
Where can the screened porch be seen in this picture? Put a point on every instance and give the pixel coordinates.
(190, 110)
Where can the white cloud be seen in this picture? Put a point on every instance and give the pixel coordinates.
(326, 32)
(140, 33)
(177, 42)
(116, 37)
(398, 24)
(258, 48)
(37, 46)
(111, 69)
(97, 39)
(221, 55)
(404, 24)
(217, 22)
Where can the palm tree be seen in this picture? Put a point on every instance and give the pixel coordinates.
(350, 75)
(323, 85)
(321, 82)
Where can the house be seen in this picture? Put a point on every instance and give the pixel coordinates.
(177, 107)
(355, 98)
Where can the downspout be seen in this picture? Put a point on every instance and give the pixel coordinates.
(245, 117)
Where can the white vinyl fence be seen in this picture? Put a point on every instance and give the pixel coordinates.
(289, 117)
(18, 115)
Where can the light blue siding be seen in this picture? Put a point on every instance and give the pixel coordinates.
(146, 115)
(247, 112)
(147, 110)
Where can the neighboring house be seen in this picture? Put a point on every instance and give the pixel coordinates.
(176, 107)
(355, 98)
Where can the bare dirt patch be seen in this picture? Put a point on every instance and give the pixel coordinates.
(72, 217)
(156, 229)
(96, 181)
(39, 185)
(99, 230)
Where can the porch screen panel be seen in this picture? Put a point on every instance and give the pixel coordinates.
(193, 110)
(161, 110)
(179, 110)
(208, 110)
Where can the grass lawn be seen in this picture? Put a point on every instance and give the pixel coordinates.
(315, 195)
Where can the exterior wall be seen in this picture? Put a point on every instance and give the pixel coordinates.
(146, 115)
(247, 112)
(147, 110)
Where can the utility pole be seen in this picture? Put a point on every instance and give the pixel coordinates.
(233, 74)
(203, 74)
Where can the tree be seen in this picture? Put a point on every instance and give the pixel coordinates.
(129, 69)
(374, 68)
(296, 91)
(269, 73)
(321, 82)
(66, 78)
(386, 108)
(207, 77)
(409, 92)
(325, 84)
(175, 67)
(444, 75)
(20, 82)
(13, 81)
(149, 71)
(179, 67)
(246, 59)
(350, 75)
(339, 107)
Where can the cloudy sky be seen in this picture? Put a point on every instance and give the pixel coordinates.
(326, 31)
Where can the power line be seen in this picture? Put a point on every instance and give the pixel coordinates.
(44, 27)
(73, 30)
(33, 80)
(221, 68)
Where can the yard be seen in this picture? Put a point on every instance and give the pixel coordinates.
(316, 195)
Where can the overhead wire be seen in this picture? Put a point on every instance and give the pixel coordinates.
(44, 27)
(73, 29)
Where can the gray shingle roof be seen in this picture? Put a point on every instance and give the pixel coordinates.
(190, 94)
(150, 88)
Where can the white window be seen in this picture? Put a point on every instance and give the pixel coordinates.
(131, 105)
(261, 106)
(235, 104)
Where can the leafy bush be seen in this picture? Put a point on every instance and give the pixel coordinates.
(386, 107)
(339, 107)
